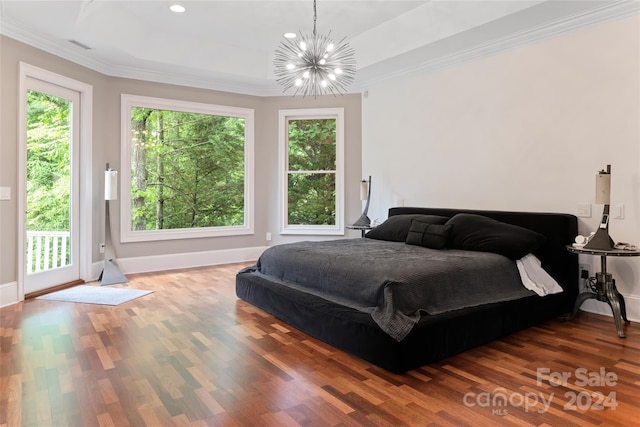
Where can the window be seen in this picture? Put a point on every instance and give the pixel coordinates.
(311, 172)
(186, 169)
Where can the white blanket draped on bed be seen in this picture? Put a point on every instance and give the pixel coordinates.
(535, 278)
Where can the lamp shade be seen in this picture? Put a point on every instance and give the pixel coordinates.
(111, 185)
(603, 188)
(364, 190)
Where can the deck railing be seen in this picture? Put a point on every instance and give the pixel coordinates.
(47, 250)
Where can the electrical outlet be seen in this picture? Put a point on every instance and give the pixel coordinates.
(584, 271)
(268, 236)
(5, 193)
(101, 248)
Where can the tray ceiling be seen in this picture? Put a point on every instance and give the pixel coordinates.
(229, 45)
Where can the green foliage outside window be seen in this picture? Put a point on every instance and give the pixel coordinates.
(48, 162)
(312, 172)
(187, 170)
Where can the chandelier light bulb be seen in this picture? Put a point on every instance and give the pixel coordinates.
(314, 64)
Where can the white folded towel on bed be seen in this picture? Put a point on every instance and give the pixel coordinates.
(535, 278)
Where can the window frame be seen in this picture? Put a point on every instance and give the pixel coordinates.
(284, 116)
(126, 233)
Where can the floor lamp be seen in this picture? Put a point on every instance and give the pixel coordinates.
(111, 273)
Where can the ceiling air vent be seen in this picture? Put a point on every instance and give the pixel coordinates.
(77, 43)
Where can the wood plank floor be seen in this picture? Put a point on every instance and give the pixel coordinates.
(192, 354)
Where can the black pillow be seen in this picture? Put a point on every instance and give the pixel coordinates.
(478, 233)
(434, 236)
(396, 228)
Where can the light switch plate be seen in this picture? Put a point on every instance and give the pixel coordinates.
(583, 210)
(5, 193)
(618, 211)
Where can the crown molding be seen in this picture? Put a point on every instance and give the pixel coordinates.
(71, 53)
(76, 55)
(602, 14)
(599, 14)
(183, 79)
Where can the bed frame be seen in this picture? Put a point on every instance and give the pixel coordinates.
(434, 337)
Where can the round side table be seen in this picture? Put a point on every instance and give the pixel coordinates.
(363, 228)
(605, 286)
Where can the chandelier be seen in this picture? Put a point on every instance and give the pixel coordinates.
(314, 65)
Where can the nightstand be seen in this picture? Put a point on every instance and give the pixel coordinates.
(362, 228)
(604, 288)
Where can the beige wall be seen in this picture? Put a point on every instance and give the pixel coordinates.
(526, 129)
(11, 53)
(353, 155)
(110, 152)
(106, 148)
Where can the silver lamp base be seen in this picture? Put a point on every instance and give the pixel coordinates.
(600, 241)
(363, 221)
(111, 274)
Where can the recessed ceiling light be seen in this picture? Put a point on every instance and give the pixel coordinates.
(290, 35)
(177, 8)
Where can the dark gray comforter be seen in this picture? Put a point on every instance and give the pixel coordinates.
(394, 282)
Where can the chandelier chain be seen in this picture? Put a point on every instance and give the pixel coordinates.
(315, 17)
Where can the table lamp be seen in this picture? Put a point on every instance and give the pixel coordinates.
(601, 239)
(365, 194)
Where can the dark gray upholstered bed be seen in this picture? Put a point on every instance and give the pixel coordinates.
(405, 319)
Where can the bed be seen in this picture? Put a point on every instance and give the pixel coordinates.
(409, 321)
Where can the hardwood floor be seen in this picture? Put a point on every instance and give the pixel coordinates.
(192, 354)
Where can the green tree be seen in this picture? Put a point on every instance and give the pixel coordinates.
(187, 170)
(48, 162)
(311, 178)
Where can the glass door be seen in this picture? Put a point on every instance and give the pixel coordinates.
(52, 210)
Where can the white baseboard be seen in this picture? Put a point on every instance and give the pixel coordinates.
(9, 291)
(632, 303)
(147, 264)
(8, 294)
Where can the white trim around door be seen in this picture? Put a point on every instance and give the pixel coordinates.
(84, 170)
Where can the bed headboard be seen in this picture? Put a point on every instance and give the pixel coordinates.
(559, 229)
